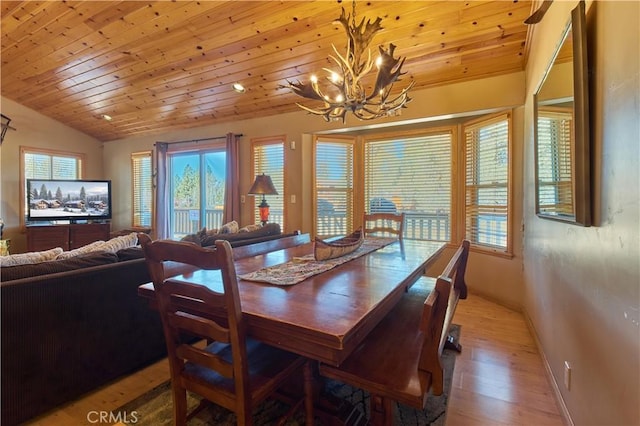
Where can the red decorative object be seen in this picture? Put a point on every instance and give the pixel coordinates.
(263, 186)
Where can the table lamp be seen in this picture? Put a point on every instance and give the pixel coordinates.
(263, 186)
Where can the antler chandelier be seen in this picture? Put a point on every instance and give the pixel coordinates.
(344, 90)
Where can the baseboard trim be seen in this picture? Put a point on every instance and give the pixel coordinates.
(564, 412)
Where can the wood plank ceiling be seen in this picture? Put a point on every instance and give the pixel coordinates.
(155, 66)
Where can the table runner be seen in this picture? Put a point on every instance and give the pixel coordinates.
(301, 268)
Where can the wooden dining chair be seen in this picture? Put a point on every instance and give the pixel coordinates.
(231, 370)
(400, 360)
(383, 224)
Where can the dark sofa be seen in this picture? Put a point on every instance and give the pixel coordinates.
(66, 333)
(71, 326)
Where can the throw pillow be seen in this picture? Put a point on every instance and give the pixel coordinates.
(229, 228)
(250, 228)
(192, 238)
(122, 242)
(31, 257)
(89, 248)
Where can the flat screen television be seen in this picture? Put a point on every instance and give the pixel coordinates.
(73, 200)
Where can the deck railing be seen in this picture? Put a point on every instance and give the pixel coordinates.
(186, 221)
(417, 226)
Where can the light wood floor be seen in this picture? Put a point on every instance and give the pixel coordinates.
(499, 378)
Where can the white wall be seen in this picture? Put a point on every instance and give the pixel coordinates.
(582, 285)
(35, 130)
(498, 278)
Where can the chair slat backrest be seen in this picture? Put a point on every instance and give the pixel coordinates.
(384, 223)
(438, 312)
(182, 321)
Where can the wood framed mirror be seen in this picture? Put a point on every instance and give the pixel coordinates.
(561, 130)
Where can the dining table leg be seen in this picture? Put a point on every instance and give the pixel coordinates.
(310, 392)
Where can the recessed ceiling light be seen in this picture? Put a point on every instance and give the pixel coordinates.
(238, 87)
(107, 117)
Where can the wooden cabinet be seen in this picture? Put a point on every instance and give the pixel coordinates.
(69, 237)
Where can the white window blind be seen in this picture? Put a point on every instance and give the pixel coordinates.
(554, 162)
(487, 182)
(412, 175)
(268, 158)
(48, 166)
(40, 164)
(142, 194)
(334, 187)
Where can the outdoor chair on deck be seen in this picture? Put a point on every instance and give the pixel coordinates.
(384, 224)
(233, 370)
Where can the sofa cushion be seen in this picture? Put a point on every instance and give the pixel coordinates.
(130, 253)
(89, 248)
(29, 258)
(17, 272)
(268, 230)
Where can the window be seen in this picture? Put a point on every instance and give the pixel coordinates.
(48, 164)
(487, 187)
(142, 193)
(334, 204)
(554, 161)
(197, 182)
(450, 182)
(268, 158)
(413, 175)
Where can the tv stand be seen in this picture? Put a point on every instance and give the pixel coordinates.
(69, 237)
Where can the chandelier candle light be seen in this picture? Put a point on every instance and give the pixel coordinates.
(346, 91)
(263, 186)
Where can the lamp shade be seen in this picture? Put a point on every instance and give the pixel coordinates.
(263, 186)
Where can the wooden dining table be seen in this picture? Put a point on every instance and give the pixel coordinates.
(326, 316)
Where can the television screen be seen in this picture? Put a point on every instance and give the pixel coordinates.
(72, 200)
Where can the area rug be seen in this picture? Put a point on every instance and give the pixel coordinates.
(155, 407)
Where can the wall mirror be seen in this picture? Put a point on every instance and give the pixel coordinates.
(561, 130)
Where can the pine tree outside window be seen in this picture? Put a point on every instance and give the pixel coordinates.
(197, 185)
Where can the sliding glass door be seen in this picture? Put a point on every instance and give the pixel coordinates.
(197, 191)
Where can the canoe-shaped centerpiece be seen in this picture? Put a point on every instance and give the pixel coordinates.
(325, 250)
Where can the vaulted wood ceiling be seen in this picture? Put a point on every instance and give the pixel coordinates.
(155, 66)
